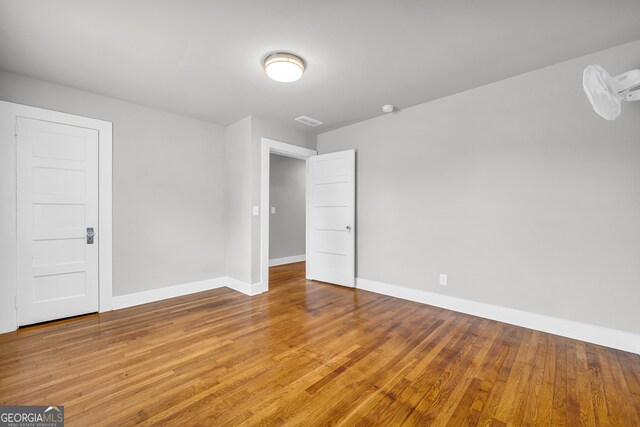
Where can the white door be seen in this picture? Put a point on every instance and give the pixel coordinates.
(57, 172)
(331, 190)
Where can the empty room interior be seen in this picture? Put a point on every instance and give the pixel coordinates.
(298, 213)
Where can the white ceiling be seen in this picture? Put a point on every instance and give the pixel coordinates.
(202, 58)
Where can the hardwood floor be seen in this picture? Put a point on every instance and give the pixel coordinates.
(312, 354)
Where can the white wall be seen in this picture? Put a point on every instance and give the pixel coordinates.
(517, 190)
(169, 189)
(8, 230)
(244, 151)
(264, 128)
(238, 149)
(288, 179)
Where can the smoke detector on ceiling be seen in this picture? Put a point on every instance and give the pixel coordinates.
(308, 121)
(606, 93)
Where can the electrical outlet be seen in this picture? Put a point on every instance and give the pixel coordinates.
(443, 280)
(273, 209)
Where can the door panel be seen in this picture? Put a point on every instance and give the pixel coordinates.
(333, 195)
(331, 224)
(58, 181)
(59, 251)
(57, 201)
(54, 287)
(335, 241)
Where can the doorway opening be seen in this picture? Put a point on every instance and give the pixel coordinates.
(287, 210)
(282, 244)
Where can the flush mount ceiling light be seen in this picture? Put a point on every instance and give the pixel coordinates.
(283, 67)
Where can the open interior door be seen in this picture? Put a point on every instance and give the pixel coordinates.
(331, 192)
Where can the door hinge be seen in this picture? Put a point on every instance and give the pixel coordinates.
(16, 128)
(16, 302)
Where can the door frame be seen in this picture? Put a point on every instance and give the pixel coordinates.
(9, 113)
(268, 147)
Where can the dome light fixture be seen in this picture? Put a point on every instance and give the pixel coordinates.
(283, 67)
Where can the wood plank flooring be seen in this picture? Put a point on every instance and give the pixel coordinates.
(312, 354)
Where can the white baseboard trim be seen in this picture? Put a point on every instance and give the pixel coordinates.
(130, 300)
(259, 288)
(607, 337)
(244, 287)
(287, 260)
(153, 295)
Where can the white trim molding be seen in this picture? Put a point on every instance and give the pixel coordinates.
(130, 300)
(269, 146)
(244, 287)
(600, 335)
(153, 295)
(287, 260)
(9, 112)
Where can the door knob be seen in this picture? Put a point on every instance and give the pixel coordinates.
(348, 227)
(90, 234)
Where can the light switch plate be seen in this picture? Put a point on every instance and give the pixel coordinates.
(256, 210)
(443, 280)
(273, 209)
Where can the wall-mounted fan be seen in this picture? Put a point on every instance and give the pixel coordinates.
(606, 93)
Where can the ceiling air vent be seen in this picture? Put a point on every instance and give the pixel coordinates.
(308, 121)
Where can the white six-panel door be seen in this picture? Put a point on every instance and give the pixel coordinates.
(57, 171)
(331, 206)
